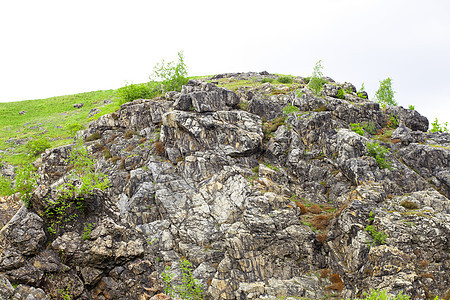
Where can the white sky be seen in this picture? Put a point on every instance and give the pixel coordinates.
(51, 48)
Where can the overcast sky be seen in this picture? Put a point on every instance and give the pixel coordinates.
(51, 48)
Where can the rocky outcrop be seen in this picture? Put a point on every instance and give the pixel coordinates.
(301, 210)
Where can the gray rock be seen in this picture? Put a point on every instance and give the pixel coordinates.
(78, 105)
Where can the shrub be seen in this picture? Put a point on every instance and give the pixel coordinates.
(132, 91)
(393, 122)
(379, 153)
(189, 288)
(37, 146)
(267, 79)
(411, 107)
(316, 82)
(307, 79)
(173, 75)
(439, 127)
(284, 79)
(357, 128)
(385, 95)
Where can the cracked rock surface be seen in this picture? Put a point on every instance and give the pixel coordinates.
(300, 210)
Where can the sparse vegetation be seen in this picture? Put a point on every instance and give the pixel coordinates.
(411, 107)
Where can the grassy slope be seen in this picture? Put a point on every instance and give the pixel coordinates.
(51, 117)
(48, 118)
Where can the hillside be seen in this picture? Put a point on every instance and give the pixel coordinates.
(265, 190)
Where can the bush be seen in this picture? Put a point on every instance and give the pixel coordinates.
(379, 153)
(411, 107)
(316, 82)
(37, 146)
(189, 287)
(284, 79)
(385, 95)
(357, 128)
(439, 127)
(264, 80)
(132, 91)
(173, 75)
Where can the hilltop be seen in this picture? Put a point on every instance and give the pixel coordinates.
(255, 187)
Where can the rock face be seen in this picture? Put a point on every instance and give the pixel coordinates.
(300, 210)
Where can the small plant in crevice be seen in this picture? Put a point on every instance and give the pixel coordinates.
(357, 128)
(379, 152)
(411, 107)
(189, 288)
(379, 237)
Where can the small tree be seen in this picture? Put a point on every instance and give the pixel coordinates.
(385, 95)
(173, 75)
(316, 82)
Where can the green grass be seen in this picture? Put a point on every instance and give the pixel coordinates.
(53, 116)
